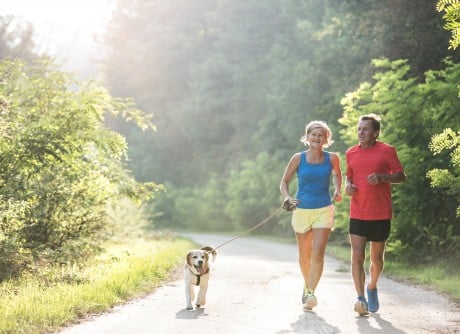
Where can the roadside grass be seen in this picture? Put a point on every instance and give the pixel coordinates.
(442, 277)
(60, 296)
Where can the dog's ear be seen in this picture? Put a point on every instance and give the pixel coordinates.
(211, 250)
(207, 248)
(214, 254)
(188, 258)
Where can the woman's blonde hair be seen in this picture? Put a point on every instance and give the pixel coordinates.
(317, 124)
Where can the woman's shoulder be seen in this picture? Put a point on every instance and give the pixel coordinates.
(333, 156)
(297, 155)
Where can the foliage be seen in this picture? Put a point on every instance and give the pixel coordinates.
(60, 167)
(193, 208)
(451, 9)
(254, 195)
(448, 140)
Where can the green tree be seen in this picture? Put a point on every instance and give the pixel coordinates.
(249, 191)
(451, 9)
(448, 140)
(60, 167)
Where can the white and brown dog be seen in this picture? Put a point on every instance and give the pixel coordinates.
(196, 273)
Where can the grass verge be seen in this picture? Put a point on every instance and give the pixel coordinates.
(60, 296)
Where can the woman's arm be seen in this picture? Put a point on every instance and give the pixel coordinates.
(289, 203)
(336, 177)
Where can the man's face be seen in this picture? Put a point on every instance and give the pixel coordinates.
(366, 133)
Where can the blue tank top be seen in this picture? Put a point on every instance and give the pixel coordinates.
(313, 183)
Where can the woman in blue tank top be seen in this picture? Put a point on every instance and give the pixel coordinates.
(313, 211)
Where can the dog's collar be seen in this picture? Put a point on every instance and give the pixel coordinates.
(197, 274)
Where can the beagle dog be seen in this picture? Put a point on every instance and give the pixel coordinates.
(196, 272)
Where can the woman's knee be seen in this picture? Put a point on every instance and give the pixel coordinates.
(304, 258)
(317, 254)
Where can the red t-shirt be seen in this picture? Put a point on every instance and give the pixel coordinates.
(371, 202)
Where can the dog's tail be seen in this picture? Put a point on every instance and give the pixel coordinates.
(210, 250)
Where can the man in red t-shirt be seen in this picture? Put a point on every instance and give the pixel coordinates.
(372, 166)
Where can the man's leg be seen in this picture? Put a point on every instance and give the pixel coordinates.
(358, 255)
(375, 270)
(377, 251)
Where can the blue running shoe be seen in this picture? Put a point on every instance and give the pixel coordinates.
(361, 306)
(373, 300)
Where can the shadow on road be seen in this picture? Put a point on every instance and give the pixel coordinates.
(191, 314)
(384, 326)
(310, 322)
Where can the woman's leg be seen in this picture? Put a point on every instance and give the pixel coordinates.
(319, 242)
(304, 244)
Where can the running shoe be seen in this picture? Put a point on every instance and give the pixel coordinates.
(373, 300)
(305, 293)
(310, 302)
(361, 306)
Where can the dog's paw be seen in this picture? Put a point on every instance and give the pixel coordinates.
(189, 307)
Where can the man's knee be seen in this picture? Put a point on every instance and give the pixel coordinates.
(358, 257)
(377, 261)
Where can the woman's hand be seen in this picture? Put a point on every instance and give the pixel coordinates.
(337, 196)
(290, 204)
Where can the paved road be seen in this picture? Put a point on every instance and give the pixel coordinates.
(255, 287)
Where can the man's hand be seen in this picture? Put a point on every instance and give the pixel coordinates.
(374, 178)
(350, 188)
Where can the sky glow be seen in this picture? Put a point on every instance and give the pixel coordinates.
(65, 29)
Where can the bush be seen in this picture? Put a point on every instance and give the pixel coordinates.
(60, 166)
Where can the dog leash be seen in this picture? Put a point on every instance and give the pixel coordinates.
(275, 213)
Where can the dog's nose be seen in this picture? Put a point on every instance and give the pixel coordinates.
(200, 262)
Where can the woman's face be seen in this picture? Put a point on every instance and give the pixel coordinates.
(317, 137)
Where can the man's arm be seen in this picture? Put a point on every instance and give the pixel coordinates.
(398, 177)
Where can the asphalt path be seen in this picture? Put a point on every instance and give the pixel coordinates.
(255, 287)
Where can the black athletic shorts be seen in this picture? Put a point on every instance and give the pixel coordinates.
(373, 230)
